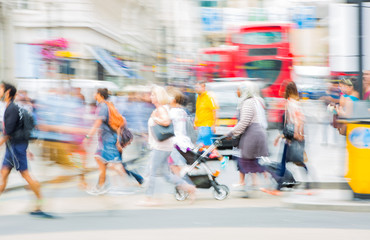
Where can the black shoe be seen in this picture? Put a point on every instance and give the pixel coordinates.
(140, 181)
(41, 214)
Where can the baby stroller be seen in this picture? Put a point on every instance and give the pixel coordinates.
(197, 159)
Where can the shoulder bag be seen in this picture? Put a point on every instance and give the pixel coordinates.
(295, 152)
(162, 133)
(288, 130)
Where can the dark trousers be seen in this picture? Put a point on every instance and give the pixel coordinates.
(137, 176)
(283, 168)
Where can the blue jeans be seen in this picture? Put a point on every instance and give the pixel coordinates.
(283, 168)
(137, 176)
(159, 167)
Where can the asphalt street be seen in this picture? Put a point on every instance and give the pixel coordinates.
(234, 221)
(117, 216)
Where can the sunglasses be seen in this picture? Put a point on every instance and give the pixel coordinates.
(347, 82)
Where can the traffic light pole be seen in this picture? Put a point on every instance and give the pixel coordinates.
(360, 49)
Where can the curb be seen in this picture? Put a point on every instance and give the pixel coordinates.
(329, 200)
(329, 185)
(354, 206)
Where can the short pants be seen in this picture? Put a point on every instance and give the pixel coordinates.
(108, 152)
(16, 156)
(205, 135)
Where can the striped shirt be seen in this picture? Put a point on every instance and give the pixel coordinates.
(248, 115)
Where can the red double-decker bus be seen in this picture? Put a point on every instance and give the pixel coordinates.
(218, 62)
(264, 53)
(256, 51)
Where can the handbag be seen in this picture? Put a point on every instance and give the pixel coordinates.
(288, 130)
(162, 133)
(295, 152)
(235, 141)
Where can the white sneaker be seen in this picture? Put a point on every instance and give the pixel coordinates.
(95, 191)
(238, 185)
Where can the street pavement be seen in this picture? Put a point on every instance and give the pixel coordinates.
(327, 160)
(117, 216)
(326, 164)
(248, 214)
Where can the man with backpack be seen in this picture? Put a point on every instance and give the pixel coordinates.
(17, 127)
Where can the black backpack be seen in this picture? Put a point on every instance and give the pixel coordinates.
(26, 126)
(125, 137)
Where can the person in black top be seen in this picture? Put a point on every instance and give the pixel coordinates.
(16, 150)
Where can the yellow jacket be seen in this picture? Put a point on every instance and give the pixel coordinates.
(205, 111)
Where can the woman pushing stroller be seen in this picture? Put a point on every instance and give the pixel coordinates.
(253, 140)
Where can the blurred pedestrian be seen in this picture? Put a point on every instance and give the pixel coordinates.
(179, 119)
(205, 115)
(253, 139)
(161, 150)
(345, 107)
(333, 93)
(293, 117)
(366, 83)
(331, 99)
(107, 152)
(76, 92)
(16, 149)
(61, 127)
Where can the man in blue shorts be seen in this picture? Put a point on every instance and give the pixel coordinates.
(16, 149)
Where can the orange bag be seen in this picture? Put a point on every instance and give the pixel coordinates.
(115, 120)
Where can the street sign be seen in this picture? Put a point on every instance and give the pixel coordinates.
(211, 19)
(304, 17)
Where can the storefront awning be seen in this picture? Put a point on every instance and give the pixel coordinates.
(109, 62)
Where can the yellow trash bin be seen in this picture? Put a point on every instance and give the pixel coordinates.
(358, 147)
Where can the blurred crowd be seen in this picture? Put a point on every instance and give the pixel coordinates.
(66, 127)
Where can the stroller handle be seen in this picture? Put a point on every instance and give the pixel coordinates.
(218, 141)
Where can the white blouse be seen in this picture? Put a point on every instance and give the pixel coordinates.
(179, 117)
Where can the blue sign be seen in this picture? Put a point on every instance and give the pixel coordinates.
(211, 19)
(304, 17)
(360, 137)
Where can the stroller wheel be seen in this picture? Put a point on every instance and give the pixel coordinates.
(181, 195)
(223, 192)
